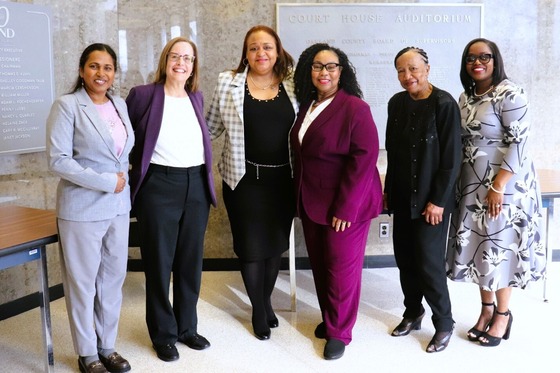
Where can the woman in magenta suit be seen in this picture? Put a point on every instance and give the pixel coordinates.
(338, 187)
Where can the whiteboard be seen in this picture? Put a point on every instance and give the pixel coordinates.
(372, 34)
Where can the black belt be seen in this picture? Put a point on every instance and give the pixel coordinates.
(175, 170)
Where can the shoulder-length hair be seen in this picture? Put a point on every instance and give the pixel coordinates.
(85, 56)
(306, 91)
(191, 85)
(498, 74)
(284, 63)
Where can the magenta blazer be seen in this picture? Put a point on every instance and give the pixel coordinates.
(335, 167)
(145, 109)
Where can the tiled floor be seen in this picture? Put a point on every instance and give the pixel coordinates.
(224, 318)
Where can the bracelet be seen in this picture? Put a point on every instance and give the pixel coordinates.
(496, 190)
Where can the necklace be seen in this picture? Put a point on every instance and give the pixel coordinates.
(319, 102)
(269, 85)
(482, 94)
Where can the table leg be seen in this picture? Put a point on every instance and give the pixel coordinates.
(45, 310)
(549, 205)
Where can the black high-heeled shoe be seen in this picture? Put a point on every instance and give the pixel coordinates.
(262, 331)
(407, 325)
(474, 334)
(490, 340)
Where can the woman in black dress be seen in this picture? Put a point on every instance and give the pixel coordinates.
(255, 106)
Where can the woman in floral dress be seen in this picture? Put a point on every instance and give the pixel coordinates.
(496, 233)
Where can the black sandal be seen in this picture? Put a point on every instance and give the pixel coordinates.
(492, 341)
(474, 334)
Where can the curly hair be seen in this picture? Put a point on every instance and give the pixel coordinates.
(306, 91)
(284, 62)
(498, 74)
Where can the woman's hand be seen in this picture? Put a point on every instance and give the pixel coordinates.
(494, 201)
(433, 214)
(339, 224)
(121, 182)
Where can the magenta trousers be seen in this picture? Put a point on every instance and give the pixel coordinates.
(336, 261)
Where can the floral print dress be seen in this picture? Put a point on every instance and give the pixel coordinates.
(510, 250)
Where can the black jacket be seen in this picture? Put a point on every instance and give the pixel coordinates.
(433, 131)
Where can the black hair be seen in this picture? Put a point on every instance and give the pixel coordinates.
(420, 51)
(306, 91)
(498, 74)
(85, 55)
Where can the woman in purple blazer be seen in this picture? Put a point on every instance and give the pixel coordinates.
(338, 187)
(171, 191)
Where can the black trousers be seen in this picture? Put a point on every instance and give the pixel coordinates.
(420, 255)
(172, 209)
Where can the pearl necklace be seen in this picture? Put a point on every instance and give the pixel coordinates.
(269, 85)
(482, 94)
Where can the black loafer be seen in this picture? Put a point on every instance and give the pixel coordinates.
(93, 367)
(115, 363)
(167, 352)
(321, 331)
(195, 341)
(273, 323)
(334, 349)
(407, 325)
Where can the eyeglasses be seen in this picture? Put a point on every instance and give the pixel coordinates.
(330, 67)
(174, 57)
(483, 58)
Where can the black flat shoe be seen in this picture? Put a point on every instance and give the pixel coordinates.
(167, 352)
(94, 367)
(334, 349)
(321, 331)
(474, 334)
(115, 363)
(195, 341)
(407, 325)
(488, 340)
(439, 341)
(273, 323)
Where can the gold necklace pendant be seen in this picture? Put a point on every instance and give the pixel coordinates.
(269, 85)
(484, 93)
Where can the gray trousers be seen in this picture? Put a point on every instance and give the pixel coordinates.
(93, 257)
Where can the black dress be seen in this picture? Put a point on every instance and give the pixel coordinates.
(262, 206)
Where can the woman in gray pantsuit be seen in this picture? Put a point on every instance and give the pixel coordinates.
(89, 137)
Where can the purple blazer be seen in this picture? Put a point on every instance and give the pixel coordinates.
(335, 167)
(145, 109)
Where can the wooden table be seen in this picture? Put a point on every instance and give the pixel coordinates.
(550, 190)
(24, 234)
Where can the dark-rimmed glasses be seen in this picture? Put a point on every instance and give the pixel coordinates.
(174, 57)
(483, 58)
(330, 67)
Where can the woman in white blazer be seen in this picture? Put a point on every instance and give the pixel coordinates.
(255, 106)
(89, 138)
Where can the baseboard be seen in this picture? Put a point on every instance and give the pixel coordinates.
(31, 301)
(232, 264)
(28, 302)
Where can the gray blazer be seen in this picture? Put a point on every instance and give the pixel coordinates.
(80, 149)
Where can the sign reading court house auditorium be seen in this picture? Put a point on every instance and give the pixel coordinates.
(26, 78)
(372, 34)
